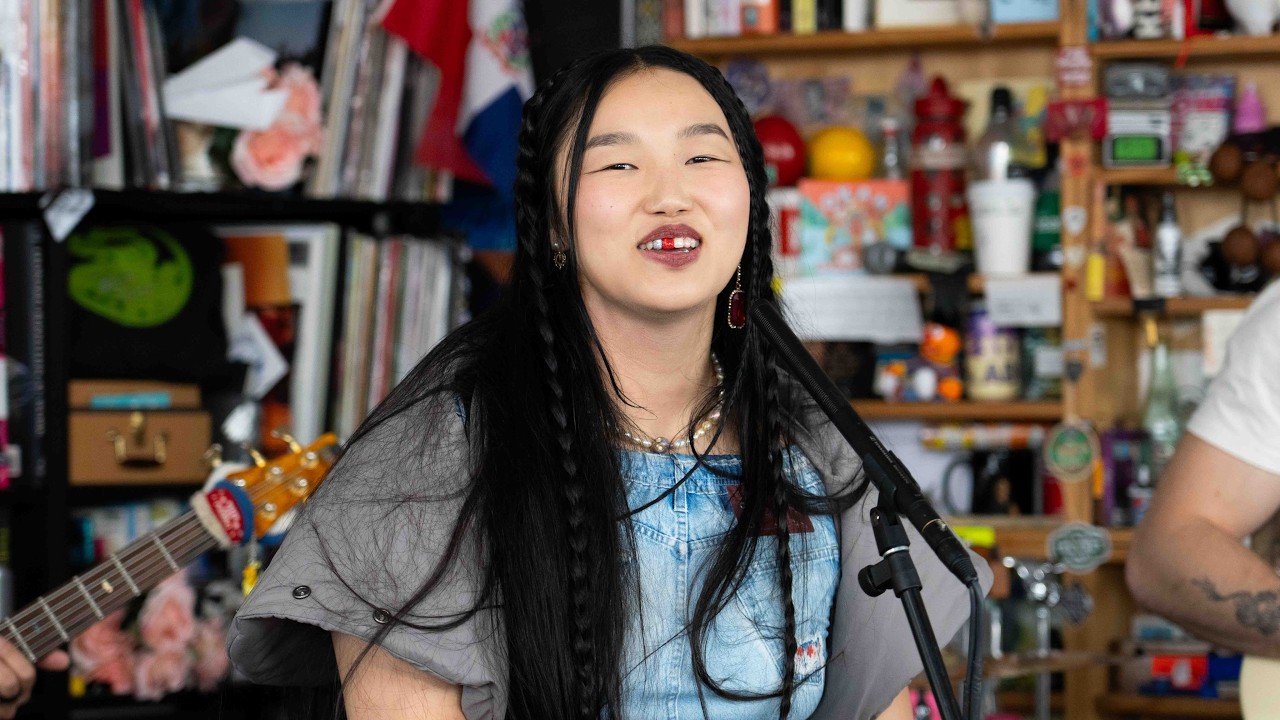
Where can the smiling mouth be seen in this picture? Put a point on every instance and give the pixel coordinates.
(671, 244)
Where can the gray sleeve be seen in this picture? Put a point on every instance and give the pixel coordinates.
(871, 654)
(368, 539)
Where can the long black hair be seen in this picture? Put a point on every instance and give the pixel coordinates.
(543, 418)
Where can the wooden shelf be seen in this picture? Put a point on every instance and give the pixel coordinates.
(1139, 176)
(1024, 703)
(1209, 46)
(1174, 307)
(871, 40)
(1028, 536)
(1050, 411)
(1179, 707)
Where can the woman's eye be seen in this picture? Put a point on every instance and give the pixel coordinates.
(701, 159)
(616, 166)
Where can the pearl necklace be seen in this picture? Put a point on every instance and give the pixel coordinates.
(662, 445)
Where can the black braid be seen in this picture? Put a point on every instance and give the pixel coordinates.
(530, 186)
(781, 508)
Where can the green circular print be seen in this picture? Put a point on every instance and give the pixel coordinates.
(136, 277)
(1069, 452)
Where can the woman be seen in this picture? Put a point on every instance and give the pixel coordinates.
(571, 507)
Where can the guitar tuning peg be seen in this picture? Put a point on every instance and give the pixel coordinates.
(213, 456)
(281, 434)
(254, 454)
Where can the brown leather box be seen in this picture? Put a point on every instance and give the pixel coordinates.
(129, 446)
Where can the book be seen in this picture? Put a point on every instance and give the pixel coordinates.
(24, 328)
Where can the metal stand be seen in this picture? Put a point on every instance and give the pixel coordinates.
(896, 570)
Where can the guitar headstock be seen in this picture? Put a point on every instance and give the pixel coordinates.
(273, 487)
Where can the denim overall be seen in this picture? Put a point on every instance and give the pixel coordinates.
(676, 540)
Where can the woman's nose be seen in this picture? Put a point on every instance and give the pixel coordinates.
(668, 192)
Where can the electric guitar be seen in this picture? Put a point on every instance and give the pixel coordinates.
(236, 510)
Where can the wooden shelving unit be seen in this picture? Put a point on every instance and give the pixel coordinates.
(1228, 47)
(959, 411)
(1028, 536)
(1119, 705)
(918, 38)
(1157, 176)
(1174, 307)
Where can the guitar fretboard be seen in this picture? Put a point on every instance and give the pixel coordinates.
(53, 619)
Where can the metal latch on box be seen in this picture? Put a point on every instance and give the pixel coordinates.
(137, 432)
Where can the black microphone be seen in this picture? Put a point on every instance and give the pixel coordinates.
(882, 466)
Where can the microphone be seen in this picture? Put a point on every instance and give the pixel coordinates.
(883, 467)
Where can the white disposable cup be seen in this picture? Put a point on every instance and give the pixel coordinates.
(1000, 212)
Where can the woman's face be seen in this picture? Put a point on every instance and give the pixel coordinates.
(663, 203)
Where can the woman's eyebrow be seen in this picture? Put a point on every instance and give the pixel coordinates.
(703, 129)
(613, 138)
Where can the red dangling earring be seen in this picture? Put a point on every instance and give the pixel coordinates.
(738, 304)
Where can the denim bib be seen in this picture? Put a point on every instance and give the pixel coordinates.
(676, 540)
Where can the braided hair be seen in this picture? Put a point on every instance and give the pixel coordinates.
(546, 490)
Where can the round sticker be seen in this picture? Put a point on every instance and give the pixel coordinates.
(136, 277)
(1070, 451)
(1079, 547)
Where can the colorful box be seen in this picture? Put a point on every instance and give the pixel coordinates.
(838, 220)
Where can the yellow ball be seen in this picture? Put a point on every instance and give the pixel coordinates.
(841, 153)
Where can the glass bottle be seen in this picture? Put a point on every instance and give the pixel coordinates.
(993, 154)
(1167, 255)
(1160, 417)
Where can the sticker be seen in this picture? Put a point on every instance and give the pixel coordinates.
(1077, 162)
(1076, 603)
(1097, 345)
(65, 211)
(1074, 67)
(1070, 451)
(1076, 119)
(138, 277)
(1073, 256)
(1074, 218)
(1079, 547)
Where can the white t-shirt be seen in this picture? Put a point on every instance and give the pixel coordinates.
(1241, 411)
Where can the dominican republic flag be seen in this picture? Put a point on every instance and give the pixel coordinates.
(481, 48)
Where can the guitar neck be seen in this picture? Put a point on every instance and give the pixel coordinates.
(56, 618)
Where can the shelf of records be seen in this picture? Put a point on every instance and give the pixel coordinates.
(259, 326)
(279, 97)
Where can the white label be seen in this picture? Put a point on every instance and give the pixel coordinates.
(1217, 328)
(1028, 301)
(854, 307)
(1048, 362)
(65, 212)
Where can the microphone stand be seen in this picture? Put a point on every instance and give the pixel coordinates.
(897, 491)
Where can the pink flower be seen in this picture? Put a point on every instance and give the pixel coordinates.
(118, 673)
(161, 673)
(270, 159)
(167, 620)
(104, 654)
(210, 644)
(301, 113)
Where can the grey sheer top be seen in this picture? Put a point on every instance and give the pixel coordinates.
(383, 518)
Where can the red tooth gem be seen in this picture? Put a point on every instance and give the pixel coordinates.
(668, 243)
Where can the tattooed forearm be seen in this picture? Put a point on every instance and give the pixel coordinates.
(1258, 611)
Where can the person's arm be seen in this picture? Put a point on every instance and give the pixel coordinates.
(1187, 562)
(899, 709)
(18, 675)
(384, 686)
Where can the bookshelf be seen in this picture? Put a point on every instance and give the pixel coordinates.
(1218, 47)
(1142, 706)
(1173, 307)
(965, 411)
(834, 42)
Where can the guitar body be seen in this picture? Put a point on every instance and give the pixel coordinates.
(1260, 688)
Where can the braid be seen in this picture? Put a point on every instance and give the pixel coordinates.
(534, 192)
(781, 508)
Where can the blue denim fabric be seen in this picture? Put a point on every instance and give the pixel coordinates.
(676, 540)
